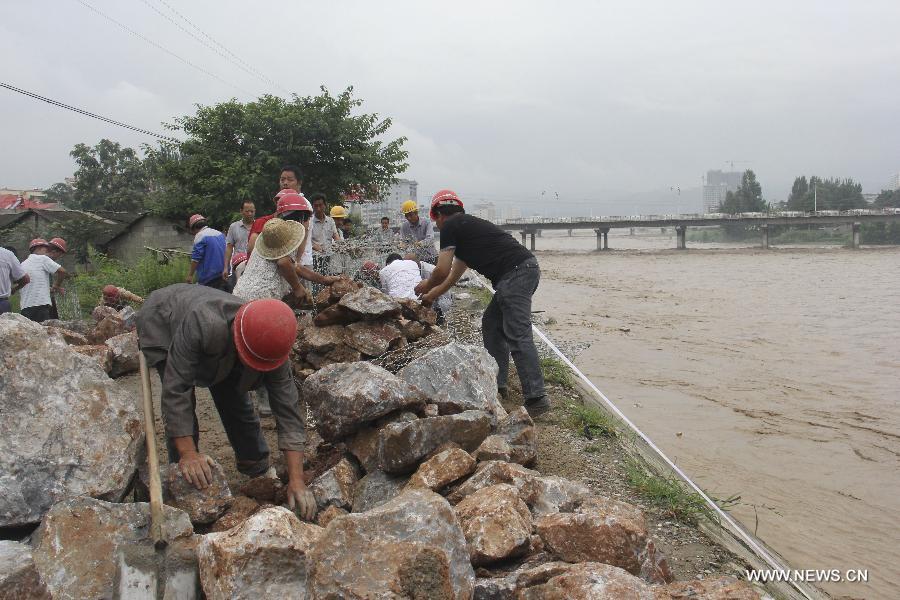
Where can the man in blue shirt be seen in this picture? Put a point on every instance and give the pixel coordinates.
(207, 255)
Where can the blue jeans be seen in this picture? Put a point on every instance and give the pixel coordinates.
(506, 328)
(5, 306)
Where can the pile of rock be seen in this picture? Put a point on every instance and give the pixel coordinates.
(109, 342)
(357, 322)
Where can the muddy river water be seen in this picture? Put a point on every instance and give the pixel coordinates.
(774, 375)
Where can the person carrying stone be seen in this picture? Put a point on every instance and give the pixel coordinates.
(35, 301)
(271, 270)
(468, 241)
(12, 277)
(200, 336)
(207, 255)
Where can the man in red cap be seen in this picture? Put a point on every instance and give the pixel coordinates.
(467, 241)
(199, 336)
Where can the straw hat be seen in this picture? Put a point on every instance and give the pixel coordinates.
(279, 238)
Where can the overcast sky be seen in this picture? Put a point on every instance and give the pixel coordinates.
(611, 103)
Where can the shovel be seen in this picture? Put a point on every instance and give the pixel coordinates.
(158, 572)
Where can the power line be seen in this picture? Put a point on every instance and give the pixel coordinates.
(85, 112)
(217, 46)
(160, 46)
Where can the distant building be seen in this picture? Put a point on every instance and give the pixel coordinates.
(718, 184)
(484, 210)
(894, 183)
(31, 194)
(389, 206)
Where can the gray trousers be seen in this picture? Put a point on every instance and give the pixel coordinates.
(506, 328)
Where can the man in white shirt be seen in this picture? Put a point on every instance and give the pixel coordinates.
(399, 277)
(238, 235)
(35, 302)
(12, 277)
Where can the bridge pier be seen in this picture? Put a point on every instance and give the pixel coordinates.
(523, 234)
(681, 231)
(540, 233)
(602, 238)
(765, 236)
(855, 242)
(631, 233)
(532, 239)
(570, 233)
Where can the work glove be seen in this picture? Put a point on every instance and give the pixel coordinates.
(301, 500)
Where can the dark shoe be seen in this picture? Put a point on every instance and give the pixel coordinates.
(537, 406)
(504, 393)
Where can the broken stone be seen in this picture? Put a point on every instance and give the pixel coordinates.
(202, 506)
(72, 338)
(266, 556)
(720, 588)
(334, 487)
(602, 530)
(323, 298)
(654, 566)
(515, 440)
(415, 311)
(543, 495)
(19, 579)
(375, 489)
(341, 353)
(321, 339)
(111, 326)
(413, 330)
(125, 353)
(364, 446)
(77, 546)
(431, 410)
(457, 377)
(587, 580)
(98, 352)
(343, 397)
(402, 446)
(341, 288)
(411, 546)
(241, 509)
(77, 325)
(495, 588)
(372, 338)
(370, 303)
(329, 514)
(442, 469)
(496, 523)
(264, 490)
(67, 429)
(335, 315)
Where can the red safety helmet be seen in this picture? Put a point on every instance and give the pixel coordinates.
(284, 192)
(59, 244)
(36, 243)
(444, 198)
(370, 267)
(110, 291)
(238, 258)
(195, 219)
(264, 331)
(289, 202)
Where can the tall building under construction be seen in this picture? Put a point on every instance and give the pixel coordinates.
(718, 183)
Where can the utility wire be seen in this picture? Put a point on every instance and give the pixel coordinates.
(160, 46)
(85, 112)
(216, 46)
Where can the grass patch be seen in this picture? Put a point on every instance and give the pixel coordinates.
(591, 422)
(667, 494)
(483, 295)
(594, 448)
(556, 372)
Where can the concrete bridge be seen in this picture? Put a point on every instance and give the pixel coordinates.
(601, 225)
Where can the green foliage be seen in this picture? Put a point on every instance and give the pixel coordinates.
(880, 233)
(60, 193)
(143, 277)
(483, 295)
(556, 372)
(234, 151)
(747, 198)
(590, 421)
(109, 177)
(667, 494)
(888, 198)
(827, 194)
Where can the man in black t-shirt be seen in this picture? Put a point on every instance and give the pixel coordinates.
(467, 241)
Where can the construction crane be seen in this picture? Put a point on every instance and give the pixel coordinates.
(737, 162)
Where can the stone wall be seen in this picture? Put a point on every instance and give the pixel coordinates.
(150, 231)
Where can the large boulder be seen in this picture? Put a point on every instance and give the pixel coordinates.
(81, 326)
(601, 530)
(343, 397)
(73, 338)
(543, 495)
(66, 429)
(202, 506)
(411, 546)
(320, 339)
(241, 509)
(719, 588)
(79, 542)
(442, 469)
(335, 486)
(375, 489)
(415, 311)
(125, 353)
(19, 579)
(496, 523)
(110, 326)
(402, 446)
(372, 338)
(335, 315)
(457, 377)
(263, 557)
(98, 352)
(370, 303)
(515, 440)
(584, 581)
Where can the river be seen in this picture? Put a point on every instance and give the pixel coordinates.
(773, 374)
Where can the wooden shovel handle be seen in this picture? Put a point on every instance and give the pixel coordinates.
(156, 503)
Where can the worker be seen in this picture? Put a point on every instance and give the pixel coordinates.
(339, 215)
(12, 277)
(237, 238)
(200, 336)
(116, 297)
(34, 300)
(417, 232)
(207, 255)
(56, 247)
(468, 241)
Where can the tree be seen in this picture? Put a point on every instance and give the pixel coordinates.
(798, 190)
(109, 177)
(234, 152)
(888, 199)
(827, 194)
(60, 193)
(747, 198)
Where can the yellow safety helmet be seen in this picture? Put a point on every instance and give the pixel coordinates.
(408, 207)
(339, 212)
